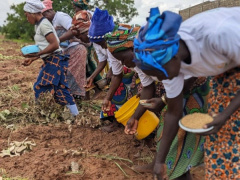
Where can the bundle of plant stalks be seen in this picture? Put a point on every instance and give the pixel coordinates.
(44, 110)
(19, 108)
(89, 114)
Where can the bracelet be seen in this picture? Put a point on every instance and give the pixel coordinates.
(164, 99)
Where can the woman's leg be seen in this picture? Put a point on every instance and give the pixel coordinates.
(76, 73)
(62, 96)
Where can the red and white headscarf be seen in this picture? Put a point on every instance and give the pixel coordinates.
(47, 4)
(81, 22)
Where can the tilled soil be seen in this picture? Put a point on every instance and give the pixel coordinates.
(59, 145)
(53, 154)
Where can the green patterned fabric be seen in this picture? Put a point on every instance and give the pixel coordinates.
(83, 4)
(92, 62)
(121, 38)
(187, 149)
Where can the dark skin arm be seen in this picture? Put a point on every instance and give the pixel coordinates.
(66, 36)
(53, 45)
(173, 115)
(109, 75)
(171, 119)
(99, 68)
(115, 83)
(132, 124)
(221, 118)
(146, 93)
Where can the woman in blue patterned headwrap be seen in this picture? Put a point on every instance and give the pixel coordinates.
(186, 149)
(206, 45)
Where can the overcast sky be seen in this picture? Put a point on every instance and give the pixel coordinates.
(143, 7)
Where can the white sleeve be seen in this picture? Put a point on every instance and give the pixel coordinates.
(174, 86)
(145, 79)
(226, 40)
(117, 67)
(46, 28)
(101, 57)
(64, 20)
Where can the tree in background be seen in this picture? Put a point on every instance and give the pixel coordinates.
(64, 6)
(122, 10)
(17, 26)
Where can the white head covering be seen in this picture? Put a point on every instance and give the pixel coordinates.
(33, 6)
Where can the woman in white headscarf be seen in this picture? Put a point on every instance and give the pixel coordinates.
(76, 74)
(52, 77)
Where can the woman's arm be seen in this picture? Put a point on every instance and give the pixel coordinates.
(53, 45)
(115, 83)
(66, 36)
(146, 93)
(99, 68)
(173, 115)
(221, 118)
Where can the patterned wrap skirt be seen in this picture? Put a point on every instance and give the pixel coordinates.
(52, 78)
(122, 94)
(187, 149)
(92, 63)
(76, 74)
(222, 150)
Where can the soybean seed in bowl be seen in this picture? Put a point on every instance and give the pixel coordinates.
(196, 120)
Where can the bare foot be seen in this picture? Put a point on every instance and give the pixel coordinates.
(147, 168)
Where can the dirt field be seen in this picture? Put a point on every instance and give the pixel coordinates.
(60, 148)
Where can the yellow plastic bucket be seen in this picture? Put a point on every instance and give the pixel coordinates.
(147, 123)
(128, 108)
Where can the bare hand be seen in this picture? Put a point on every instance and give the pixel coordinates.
(138, 94)
(89, 82)
(155, 103)
(217, 123)
(27, 62)
(160, 171)
(131, 126)
(106, 105)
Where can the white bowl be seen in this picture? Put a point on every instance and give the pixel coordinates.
(194, 130)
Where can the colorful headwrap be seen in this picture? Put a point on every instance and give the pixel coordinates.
(33, 6)
(102, 23)
(81, 21)
(158, 41)
(83, 4)
(47, 4)
(121, 38)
